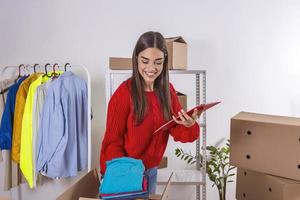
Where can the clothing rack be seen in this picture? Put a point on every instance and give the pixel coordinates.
(79, 70)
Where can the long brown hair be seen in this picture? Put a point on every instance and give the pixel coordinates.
(161, 84)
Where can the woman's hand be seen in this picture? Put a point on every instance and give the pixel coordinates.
(185, 119)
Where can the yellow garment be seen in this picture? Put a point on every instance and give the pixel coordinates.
(18, 115)
(27, 162)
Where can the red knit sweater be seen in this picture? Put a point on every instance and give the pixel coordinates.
(123, 138)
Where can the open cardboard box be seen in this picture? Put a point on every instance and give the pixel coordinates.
(87, 188)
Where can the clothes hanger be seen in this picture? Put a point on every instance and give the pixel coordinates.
(34, 67)
(54, 72)
(2, 92)
(28, 69)
(46, 73)
(21, 65)
(67, 65)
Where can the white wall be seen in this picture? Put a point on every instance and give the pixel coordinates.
(250, 49)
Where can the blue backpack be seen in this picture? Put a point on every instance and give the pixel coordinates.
(123, 174)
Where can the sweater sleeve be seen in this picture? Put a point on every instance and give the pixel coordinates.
(116, 126)
(180, 132)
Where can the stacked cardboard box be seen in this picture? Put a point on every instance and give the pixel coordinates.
(257, 186)
(182, 100)
(177, 53)
(266, 150)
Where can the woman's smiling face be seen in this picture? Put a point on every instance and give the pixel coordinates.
(150, 65)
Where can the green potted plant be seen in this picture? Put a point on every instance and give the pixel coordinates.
(218, 167)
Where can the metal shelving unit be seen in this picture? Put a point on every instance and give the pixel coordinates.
(200, 89)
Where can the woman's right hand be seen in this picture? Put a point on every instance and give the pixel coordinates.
(187, 120)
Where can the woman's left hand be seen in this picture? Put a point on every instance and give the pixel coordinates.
(185, 119)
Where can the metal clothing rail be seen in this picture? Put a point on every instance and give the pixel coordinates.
(73, 68)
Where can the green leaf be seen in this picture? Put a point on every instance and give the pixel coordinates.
(212, 178)
(193, 162)
(216, 170)
(186, 157)
(227, 151)
(189, 160)
(212, 148)
(223, 150)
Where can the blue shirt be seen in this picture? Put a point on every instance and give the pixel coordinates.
(7, 120)
(62, 147)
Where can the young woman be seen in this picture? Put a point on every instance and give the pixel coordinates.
(142, 104)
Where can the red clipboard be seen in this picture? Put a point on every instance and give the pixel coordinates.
(170, 124)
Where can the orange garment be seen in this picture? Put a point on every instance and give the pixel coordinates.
(18, 115)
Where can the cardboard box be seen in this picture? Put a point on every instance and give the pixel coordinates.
(163, 163)
(87, 188)
(258, 186)
(177, 52)
(182, 100)
(117, 63)
(266, 143)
